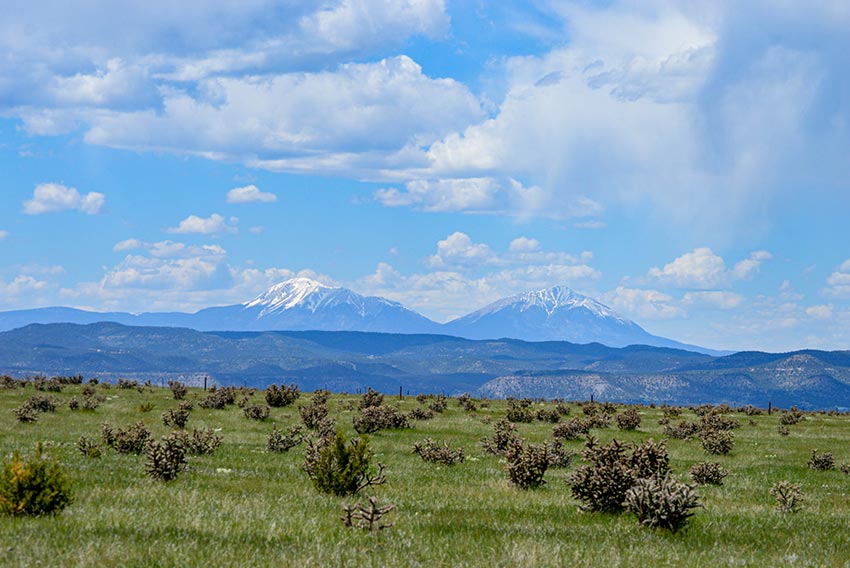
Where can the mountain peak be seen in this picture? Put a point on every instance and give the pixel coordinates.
(289, 294)
(552, 300)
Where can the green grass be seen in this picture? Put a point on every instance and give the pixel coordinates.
(244, 506)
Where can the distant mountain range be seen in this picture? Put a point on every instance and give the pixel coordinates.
(352, 361)
(553, 314)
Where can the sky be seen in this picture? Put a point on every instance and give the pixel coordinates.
(686, 163)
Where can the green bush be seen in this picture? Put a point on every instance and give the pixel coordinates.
(33, 485)
(340, 467)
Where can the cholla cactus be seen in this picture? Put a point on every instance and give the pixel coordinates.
(433, 452)
(165, 458)
(371, 398)
(708, 473)
(789, 496)
(366, 517)
(178, 389)
(439, 404)
(526, 463)
(89, 447)
(277, 397)
(129, 440)
(374, 418)
(257, 412)
(821, 462)
(572, 429)
(717, 442)
(628, 420)
(421, 414)
(504, 433)
(279, 442)
(662, 503)
(176, 417)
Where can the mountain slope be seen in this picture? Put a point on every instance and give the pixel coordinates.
(556, 314)
(351, 361)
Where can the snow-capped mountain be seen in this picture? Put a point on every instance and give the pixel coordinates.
(302, 303)
(554, 314)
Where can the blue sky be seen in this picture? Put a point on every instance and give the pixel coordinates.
(686, 163)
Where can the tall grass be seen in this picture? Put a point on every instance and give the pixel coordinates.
(245, 506)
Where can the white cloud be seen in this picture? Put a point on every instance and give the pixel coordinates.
(213, 225)
(838, 283)
(643, 304)
(701, 269)
(524, 244)
(720, 299)
(21, 285)
(458, 249)
(822, 312)
(250, 194)
(52, 197)
(3, 235)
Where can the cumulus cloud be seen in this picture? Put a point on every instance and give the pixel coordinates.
(838, 283)
(250, 194)
(720, 299)
(52, 197)
(463, 271)
(3, 234)
(821, 312)
(213, 225)
(643, 304)
(701, 269)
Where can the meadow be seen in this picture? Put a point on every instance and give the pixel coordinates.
(246, 506)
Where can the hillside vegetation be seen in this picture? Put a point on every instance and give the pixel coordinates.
(245, 505)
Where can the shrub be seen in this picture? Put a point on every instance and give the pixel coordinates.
(278, 397)
(783, 430)
(73, 403)
(439, 404)
(33, 485)
(519, 411)
(545, 415)
(374, 418)
(90, 389)
(178, 389)
(219, 398)
(421, 398)
(279, 442)
(845, 468)
(649, 459)
(199, 442)
(146, 407)
(717, 442)
(791, 417)
(601, 420)
(127, 384)
(47, 403)
(129, 440)
(715, 421)
(821, 462)
(708, 473)
(465, 401)
(562, 408)
(340, 467)
(312, 414)
(166, 458)
(526, 463)
(560, 456)
(89, 447)
(572, 429)
(602, 484)
(662, 503)
(26, 413)
(628, 420)
(366, 518)
(504, 433)
(421, 414)
(681, 430)
(176, 417)
(789, 496)
(433, 452)
(371, 398)
(257, 412)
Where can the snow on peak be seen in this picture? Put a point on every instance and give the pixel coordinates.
(554, 299)
(291, 293)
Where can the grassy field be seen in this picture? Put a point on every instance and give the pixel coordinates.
(244, 506)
